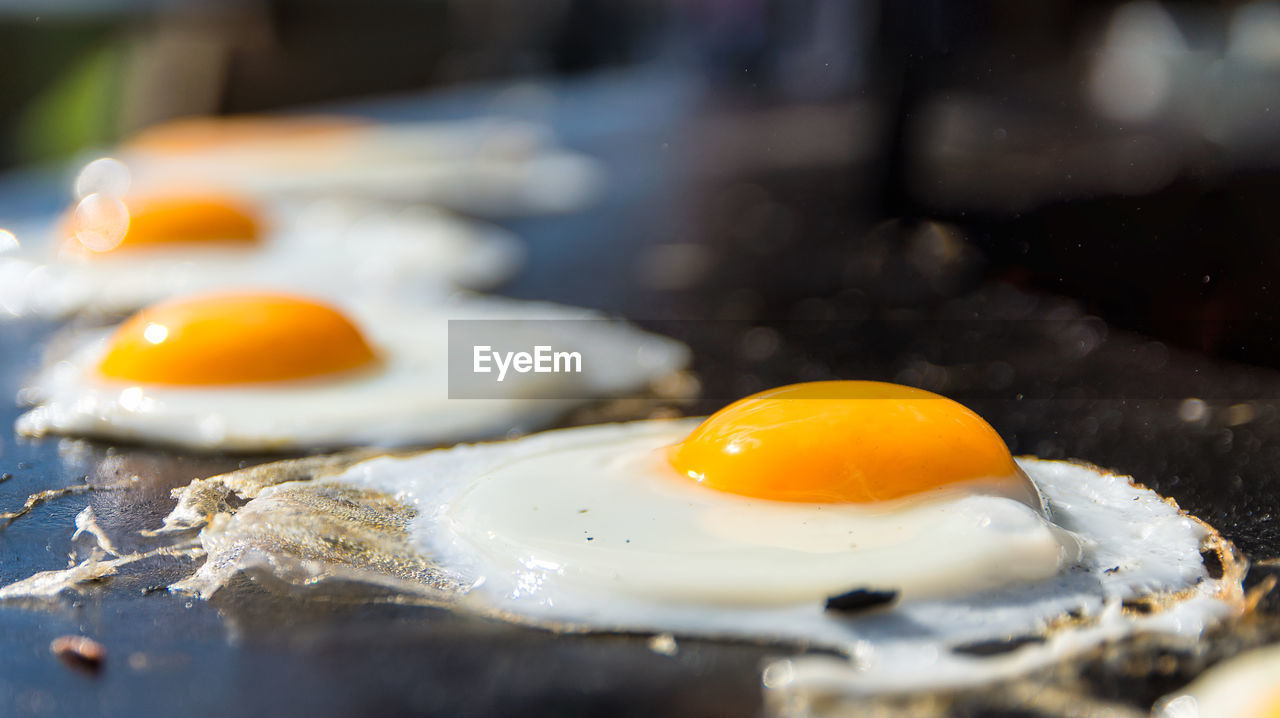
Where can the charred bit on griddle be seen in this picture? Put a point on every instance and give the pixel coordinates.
(861, 599)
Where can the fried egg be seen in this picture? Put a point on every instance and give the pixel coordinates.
(113, 256)
(1247, 686)
(261, 370)
(485, 165)
(886, 524)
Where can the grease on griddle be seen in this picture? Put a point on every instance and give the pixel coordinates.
(997, 647)
(861, 599)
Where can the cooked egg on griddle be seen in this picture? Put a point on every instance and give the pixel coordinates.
(888, 524)
(1246, 686)
(797, 495)
(252, 370)
(301, 137)
(485, 165)
(112, 255)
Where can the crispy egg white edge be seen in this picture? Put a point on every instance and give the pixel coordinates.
(384, 252)
(364, 408)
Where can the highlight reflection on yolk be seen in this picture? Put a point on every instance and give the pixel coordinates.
(199, 134)
(234, 338)
(842, 441)
(180, 219)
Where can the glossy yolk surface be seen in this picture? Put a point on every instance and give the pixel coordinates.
(842, 441)
(199, 134)
(234, 338)
(160, 221)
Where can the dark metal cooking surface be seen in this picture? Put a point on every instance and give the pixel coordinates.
(687, 252)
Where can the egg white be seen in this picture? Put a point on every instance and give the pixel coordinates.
(485, 165)
(324, 249)
(1241, 687)
(610, 512)
(403, 400)
(1131, 545)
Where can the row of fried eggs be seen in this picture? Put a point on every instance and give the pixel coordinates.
(760, 522)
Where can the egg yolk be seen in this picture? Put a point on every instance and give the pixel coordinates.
(844, 441)
(198, 134)
(234, 338)
(1270, 707)
(158, 221)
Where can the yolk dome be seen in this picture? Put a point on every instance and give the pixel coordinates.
(845, 441)
(176, 219)
(234, 338)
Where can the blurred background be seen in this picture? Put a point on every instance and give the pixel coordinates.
(1121, 154)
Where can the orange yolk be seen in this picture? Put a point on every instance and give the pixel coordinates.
(842, 441)
(157, 221)
(199, 134)
(234, 338)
